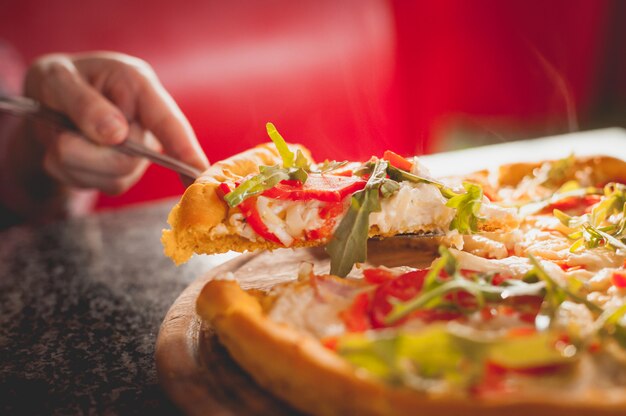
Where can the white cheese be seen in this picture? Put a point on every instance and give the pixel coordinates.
(411, 208)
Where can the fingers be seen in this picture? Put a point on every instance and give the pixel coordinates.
(77, 162)
(159, 113)
(134, 86)
(100, 92)
(55, 81)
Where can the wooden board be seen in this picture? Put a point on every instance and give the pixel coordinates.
(196, 371)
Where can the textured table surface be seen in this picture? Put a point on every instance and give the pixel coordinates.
(80, 307)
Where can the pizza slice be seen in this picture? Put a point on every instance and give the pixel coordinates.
(275, 196)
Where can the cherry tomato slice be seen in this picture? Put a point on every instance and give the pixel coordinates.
(327, 188)
(397, 161)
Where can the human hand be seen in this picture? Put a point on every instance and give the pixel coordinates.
(110, 97)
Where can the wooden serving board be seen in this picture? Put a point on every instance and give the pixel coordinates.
(196, 371)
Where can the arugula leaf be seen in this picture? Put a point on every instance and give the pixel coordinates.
(613, 203)
(349, 242)
(467, 206)
(559, 170)
(301, 161)
(330, 165)
(268, 177)
(430, 353)
(536, 206)
(281, 145)
(554, 297)
(435, 289)
(603, 227)
(608, 323)
(454, 353)
(294, 167)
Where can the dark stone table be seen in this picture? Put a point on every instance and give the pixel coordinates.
(81, 302)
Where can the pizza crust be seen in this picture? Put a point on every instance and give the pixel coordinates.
(313, 379)
(602, 169)
(201, 208)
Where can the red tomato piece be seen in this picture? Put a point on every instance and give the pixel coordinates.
(397, 161)
(527, 306)
(541, 370)
(492, 383)
(253, 217)
(566, 267)
(574, 204)
(462, 298)
(224, 188)
(377, 276)
(403, 287)
(619, 279)
(499, 278)
(330, 343)
(355, 318)
(522, 331)
(329, 212)
(432, 315)
(327, 188)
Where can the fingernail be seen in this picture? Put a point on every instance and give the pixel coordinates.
(111, 128)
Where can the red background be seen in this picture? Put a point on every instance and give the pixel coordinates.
(351, 78)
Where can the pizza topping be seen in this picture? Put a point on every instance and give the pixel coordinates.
(349, 243)
(604, 226)
(294, 168)
(397, 161)
(283, 222)
(619, 279)
(441, 357)
(326, 188)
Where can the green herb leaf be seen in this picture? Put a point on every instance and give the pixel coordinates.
(555, 295)
(388, 188)
(349, 243)
(434, 289)
(536, 206)
(400, 175)
(559, 170)
(562, 217)
(612, 203)
(295, 167)
(330, 165)
(301, 161)
(267, 178)
(430, 353)
(467, 206)
(454, 353)
(281, 145)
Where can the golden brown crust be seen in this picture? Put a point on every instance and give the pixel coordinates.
(298, 369)
(201, 208)
(602, 169)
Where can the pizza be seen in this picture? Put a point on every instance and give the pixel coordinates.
(275, 196)
(512, 321)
